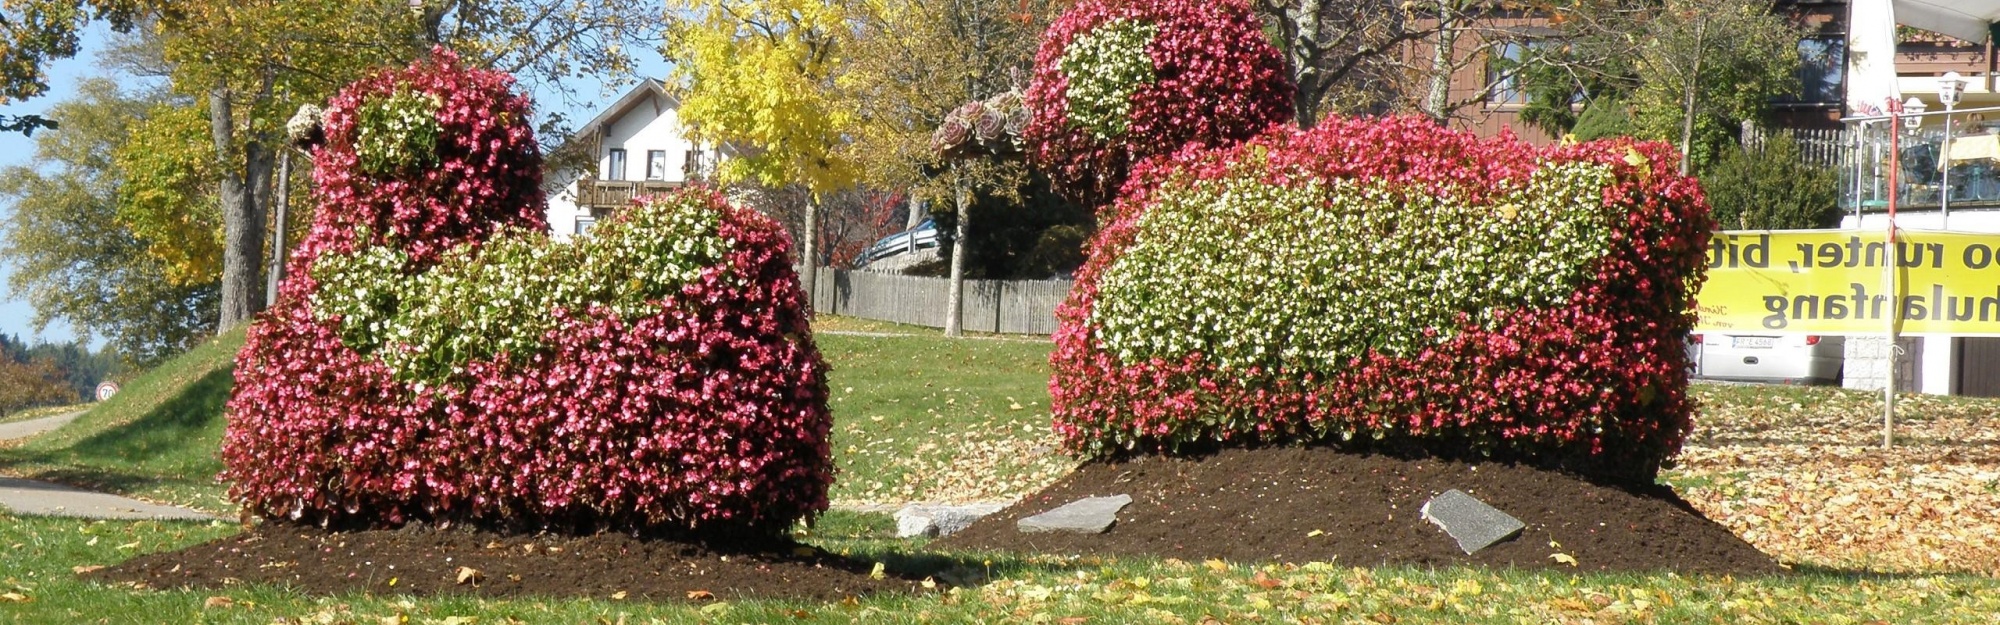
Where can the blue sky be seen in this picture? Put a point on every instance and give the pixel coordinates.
(16, 314)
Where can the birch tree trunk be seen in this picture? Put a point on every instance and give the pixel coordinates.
(955, 299)
(809, 278)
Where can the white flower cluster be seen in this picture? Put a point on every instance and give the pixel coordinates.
(477, 304)
(1105, 67)
(1309, 276)
(398, 133)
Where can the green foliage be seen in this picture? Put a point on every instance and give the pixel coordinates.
(398, 133)
(1552, 78)
(1721, 62)
(1242, 271)
(761, 74)
(496, 298)
(35, 32)
(25, 124)
(1771, 188)
(1105, 66)
(73, 258)
(1603, 119)
(167, 196)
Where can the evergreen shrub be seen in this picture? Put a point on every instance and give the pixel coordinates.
(1391, 284)
(1771, 187)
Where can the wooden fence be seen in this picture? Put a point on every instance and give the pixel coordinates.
(1005, 306)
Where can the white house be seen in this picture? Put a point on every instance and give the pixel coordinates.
(638, 146)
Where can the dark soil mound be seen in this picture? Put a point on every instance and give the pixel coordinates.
(1315, 504)
(427, 561)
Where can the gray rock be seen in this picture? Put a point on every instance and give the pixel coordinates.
(914, 525)
(939, 520)
(1470, 521)
(1090, 515)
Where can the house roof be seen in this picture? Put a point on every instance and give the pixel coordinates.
(575, 150)
(1970, 20)
(644, 92)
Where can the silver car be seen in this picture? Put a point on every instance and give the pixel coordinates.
(1781, 359)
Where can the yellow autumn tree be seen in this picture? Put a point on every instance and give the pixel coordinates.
(761, 77)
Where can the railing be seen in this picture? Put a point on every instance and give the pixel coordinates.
(1966, 171)
(610, 194)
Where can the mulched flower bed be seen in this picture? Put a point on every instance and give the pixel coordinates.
(1276, 504)
(423, 561)
(1315, 504)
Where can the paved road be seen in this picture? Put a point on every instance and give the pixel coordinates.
(31, 497)
(31, 427)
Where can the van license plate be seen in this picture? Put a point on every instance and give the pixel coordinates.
(1753, 342)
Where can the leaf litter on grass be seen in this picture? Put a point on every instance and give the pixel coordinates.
(1801, 474)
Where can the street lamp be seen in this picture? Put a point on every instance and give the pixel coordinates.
(1950, 87)
(1913, 110)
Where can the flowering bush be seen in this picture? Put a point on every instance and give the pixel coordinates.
(1119, 81)
(1375, 283)
(657, 376)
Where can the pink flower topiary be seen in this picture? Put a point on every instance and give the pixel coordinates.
(1391, 284)
(660, 375)
(1119, 81)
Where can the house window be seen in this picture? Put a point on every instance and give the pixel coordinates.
(656, 164)
(614, 167)
(584, 224)
(1822, 69)
(1503, 73)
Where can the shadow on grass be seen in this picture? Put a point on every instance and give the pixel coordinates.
(1850, 574)
(174, 443)
(176, 425)
(968, 569)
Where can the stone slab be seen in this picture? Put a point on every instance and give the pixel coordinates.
(935, 520)
(1090, 515)
(30, 497)
(1470, 521)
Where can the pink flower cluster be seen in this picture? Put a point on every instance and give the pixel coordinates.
(709, 414)
(488, 173)
(1597, 385)
(1217, 82)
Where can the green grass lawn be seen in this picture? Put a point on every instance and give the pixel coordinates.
(919, 417)
(38, 584)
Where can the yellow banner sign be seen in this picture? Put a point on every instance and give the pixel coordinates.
(1832, 282)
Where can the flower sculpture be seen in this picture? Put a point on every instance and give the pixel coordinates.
(1391, 284)
(441, 360)
(1120, 81)
(982, 128)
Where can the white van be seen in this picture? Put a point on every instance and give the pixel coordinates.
(1781, 359)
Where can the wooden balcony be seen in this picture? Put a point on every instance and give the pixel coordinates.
(605, 195)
